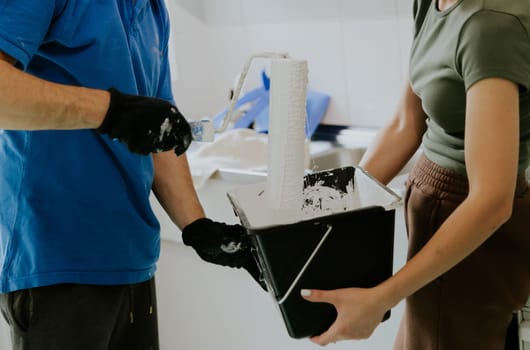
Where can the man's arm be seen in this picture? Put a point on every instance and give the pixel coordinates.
(173, 187)
(144, 124)
(30, 103)
(214, 242)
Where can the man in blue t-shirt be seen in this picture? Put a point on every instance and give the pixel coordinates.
(88, 128)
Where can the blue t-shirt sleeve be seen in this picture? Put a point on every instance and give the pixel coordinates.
(23, 26)
(164, 87)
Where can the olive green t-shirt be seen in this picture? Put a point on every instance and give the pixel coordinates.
(455, 48)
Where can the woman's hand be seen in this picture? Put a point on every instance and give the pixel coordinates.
(359, 311)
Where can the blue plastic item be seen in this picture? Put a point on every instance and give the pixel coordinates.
(258, 113)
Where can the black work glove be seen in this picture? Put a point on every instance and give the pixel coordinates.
(145, 124)
(222, 244)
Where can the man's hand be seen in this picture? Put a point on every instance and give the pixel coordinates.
(145, 124)
(222, 244)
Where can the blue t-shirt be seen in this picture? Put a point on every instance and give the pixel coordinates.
(74, 205)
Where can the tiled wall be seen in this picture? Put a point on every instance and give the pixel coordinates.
(357, 51)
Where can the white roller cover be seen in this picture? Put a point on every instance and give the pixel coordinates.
(287, 120)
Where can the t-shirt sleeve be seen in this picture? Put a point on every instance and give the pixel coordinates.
(23, 26)
(164, 86)
(494, 45)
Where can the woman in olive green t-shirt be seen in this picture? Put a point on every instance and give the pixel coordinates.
(467, 202)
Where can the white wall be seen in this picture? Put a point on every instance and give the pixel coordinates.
(190, 58)
(357, 51)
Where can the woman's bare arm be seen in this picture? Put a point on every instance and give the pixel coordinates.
(398, 140)
(491, 151)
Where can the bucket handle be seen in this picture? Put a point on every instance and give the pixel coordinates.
(302, 270)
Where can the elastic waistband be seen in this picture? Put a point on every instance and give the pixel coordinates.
(428, 173)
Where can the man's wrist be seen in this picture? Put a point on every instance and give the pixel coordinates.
(92, 107)
(193, 219)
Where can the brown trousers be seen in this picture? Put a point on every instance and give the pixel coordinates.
(471, 306)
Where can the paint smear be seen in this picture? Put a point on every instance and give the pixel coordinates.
(320, 200)
(165, 129)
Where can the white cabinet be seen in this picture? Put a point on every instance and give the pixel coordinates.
(5, 340)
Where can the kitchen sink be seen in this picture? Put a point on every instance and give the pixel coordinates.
(343, 156)
(336, 158)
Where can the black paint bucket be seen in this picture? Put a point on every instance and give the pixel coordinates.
(350, 248)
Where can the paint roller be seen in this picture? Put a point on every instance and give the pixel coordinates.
(203, 130)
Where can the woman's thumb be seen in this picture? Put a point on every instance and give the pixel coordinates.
(316, 296)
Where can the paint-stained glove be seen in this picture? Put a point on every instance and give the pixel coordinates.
(145, 124)
(222, 244)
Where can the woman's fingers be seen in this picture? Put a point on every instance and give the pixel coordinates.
(318, 296)
(358, 313)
